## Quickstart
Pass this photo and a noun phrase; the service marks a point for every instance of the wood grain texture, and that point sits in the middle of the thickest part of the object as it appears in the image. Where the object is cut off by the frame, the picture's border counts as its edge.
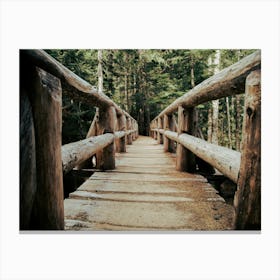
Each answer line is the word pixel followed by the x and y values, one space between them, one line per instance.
pixel 48 211
pixel 247 200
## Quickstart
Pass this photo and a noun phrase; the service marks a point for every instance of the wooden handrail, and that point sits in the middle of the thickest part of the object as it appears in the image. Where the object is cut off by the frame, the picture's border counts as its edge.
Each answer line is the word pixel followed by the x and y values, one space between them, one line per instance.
pixel 225 160
pixel 242 168
pixel 43 80
pixel 229 81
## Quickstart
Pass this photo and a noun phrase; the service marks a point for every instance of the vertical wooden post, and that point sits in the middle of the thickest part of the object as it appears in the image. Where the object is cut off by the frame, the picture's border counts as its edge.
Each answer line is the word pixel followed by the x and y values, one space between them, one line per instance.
pixel 171 143
pixel 160 137
pixel 106 158
pixel 122 127
pixel 128 127
pixel 247 200
pixel 46 98
pixel 155 127
pixel 185 160
pixel 133 134
pixel 165 127
pixel 28 184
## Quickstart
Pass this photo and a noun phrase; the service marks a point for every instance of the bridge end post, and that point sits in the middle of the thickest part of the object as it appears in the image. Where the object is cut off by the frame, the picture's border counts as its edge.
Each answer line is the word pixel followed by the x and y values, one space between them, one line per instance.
pixel 247 199
pixel 45 95
pixel 185 159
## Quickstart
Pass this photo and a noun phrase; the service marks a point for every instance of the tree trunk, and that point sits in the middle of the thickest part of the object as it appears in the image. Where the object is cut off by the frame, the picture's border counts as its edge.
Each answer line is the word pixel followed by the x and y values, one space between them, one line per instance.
pixel 228 124
pixel 238 119
pixel 215 103
pixel 247 200
pixel 100 72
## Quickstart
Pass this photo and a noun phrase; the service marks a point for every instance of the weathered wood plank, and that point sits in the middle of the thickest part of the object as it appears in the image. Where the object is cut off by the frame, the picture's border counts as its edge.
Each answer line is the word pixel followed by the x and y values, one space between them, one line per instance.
pixel 247 200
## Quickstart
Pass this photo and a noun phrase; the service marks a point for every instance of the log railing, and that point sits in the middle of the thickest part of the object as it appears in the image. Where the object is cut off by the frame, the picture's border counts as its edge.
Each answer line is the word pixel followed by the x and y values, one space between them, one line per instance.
pixel 243 168
pixel 43 160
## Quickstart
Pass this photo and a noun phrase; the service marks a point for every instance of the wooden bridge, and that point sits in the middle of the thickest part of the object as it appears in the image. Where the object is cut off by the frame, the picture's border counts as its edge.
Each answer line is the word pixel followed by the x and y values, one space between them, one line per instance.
pixel 138 184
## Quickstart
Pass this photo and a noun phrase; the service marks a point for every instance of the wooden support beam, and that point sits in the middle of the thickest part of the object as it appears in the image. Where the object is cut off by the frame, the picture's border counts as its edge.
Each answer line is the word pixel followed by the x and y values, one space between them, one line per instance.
pixel 165 127
pixel 106 158
pixel 159 136
pixel 247 200
pixel 185 159
pixel 171 143
pixel 122 140
pixel 46 97
pixel 128 127
pixel 77 152
pixel 28 182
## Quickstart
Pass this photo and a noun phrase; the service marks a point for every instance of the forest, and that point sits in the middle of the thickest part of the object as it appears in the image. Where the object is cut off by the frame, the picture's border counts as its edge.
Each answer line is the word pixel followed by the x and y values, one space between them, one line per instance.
pixel 143 82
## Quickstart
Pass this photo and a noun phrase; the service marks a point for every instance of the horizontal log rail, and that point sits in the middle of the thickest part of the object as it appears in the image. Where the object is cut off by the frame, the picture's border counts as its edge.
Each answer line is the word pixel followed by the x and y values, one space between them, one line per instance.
pixel 230 81
pixel 242 168
pixel 225 160
pixel 43 80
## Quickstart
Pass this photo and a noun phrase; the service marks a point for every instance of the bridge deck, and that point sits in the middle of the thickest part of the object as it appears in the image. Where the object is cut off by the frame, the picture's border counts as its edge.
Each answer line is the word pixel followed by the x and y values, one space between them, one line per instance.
pixel 145 192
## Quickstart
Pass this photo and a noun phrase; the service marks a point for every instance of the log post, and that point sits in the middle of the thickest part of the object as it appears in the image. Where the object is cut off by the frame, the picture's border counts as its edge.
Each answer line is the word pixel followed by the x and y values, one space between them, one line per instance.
pixel 155 127
pixel 128 127
pixel 122 127
pixel 171 143
pixel 133 133
pixel 28 184
pixel 46 97
pixel 165 127
pixel 91 132
pixel 185 160
pixel 160 136
pixel 106 124
pixel 247 200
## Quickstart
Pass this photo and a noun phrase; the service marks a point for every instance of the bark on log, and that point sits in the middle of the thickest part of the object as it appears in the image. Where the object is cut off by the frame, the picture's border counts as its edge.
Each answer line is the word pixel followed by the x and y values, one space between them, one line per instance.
pixel 77 152
pixel 247 200
pixel 106 124
pixel 172 127
pixel 28 183
pixel 48 207
pixel 185 159
pixel 229 81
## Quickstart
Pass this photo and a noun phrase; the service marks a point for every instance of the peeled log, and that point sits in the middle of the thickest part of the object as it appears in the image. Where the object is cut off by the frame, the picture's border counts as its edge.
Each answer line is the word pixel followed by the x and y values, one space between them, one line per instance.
pixel 46 98
pixel 247 200
pixel 75 153
pixel 225 160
